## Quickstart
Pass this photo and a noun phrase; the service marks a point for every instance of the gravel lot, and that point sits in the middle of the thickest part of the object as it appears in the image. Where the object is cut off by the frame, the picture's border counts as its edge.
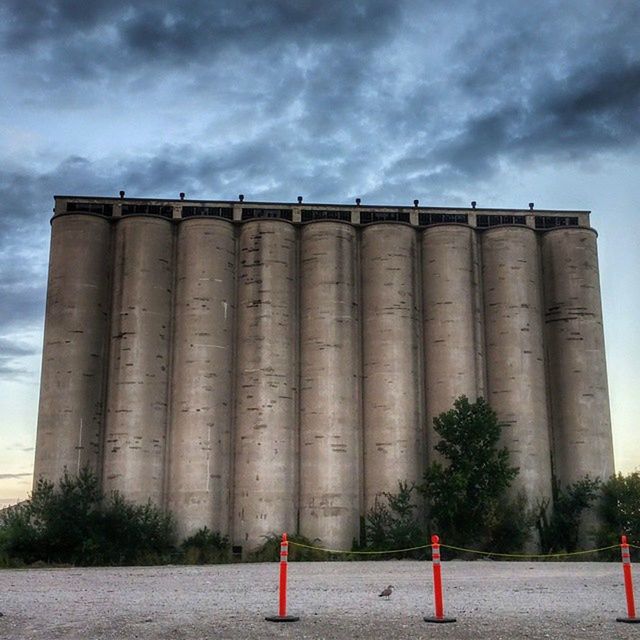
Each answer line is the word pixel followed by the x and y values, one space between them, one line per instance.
pixel 497 600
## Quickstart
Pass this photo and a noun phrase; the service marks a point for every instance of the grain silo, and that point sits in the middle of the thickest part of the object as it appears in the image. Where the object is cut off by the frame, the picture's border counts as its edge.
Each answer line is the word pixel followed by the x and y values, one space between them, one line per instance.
pixel 259 367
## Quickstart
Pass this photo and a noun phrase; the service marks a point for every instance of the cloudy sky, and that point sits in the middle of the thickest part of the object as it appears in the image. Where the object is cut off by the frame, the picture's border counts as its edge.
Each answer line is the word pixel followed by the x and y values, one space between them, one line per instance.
pixel 502 102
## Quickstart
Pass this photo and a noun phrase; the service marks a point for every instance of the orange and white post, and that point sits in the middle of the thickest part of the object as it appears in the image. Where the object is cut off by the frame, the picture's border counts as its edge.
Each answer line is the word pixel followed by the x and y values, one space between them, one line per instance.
pixel 437 584
pixel 628 582
pixel 282 588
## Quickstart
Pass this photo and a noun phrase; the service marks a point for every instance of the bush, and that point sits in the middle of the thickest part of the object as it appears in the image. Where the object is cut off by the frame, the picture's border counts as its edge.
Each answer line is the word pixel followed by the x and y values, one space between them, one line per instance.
pixel 619 512
pixel 205 547
pixel 392 523
pixel 74 524
pixel 512 525
pixel 558 528
pixel 269 551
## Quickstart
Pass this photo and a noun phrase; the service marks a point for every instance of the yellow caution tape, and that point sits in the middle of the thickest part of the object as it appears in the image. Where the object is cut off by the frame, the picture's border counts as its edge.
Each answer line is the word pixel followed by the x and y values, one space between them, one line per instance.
pixel 529 555
pixel 448 546
pixel 308 546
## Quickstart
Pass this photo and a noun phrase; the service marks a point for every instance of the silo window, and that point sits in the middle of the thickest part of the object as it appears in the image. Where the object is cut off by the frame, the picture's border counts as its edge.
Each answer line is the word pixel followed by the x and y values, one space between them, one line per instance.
pixel 550 222
pixel 384 216
pixel 426 219
pixel 166 211
pixel 281 214
pixel 492 221
pixel 216 212
pixel 90 207
pixel 325 214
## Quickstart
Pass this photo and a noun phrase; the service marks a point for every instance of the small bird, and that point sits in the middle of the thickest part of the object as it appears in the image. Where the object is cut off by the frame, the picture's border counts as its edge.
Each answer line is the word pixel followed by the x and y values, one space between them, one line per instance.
pixel 386 592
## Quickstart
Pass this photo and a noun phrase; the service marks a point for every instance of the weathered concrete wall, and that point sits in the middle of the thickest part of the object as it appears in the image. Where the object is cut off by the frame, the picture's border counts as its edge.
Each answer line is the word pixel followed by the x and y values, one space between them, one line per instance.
pixel 136 420
pixel 330 421
pixel 392 409
pixel 515 353
pixel 70 417
pixel 266 436
pixel 575 349
pixel 452 318
pixel 200 444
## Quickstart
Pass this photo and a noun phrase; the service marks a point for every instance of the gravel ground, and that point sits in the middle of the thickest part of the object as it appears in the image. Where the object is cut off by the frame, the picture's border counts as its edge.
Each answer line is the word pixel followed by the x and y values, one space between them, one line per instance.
pixel 497 600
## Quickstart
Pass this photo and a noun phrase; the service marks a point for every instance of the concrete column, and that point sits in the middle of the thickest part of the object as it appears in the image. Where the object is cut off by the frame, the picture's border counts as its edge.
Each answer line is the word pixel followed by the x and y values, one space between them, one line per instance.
pixel 202 385
pixel 266 439
pixel 452 316
pixel 393 439
pixel 515 353
pixel 331 435
pixel 139 362
pixel 71 413
pixel 575 348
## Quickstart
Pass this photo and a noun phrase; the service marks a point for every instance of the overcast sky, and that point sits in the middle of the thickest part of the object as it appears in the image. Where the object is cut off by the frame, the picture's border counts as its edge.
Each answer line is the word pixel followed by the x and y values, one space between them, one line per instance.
pixel 389 100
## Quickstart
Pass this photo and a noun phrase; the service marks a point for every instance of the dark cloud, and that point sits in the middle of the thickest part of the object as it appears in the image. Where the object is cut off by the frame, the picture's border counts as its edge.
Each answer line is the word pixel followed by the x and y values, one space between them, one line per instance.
pixel 12 353
pixel 26 201
pixel 11 349
pixel 14 476
pixel 385 100
pixel 87 37
pixel 590 111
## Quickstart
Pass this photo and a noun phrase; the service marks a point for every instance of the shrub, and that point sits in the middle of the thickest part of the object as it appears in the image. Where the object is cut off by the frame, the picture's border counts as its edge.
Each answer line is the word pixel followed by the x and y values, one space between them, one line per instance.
pixel 74 524
pixel 269 551
pixel 392 523
pixel 205 547
pixel 619 512
pixel 558 527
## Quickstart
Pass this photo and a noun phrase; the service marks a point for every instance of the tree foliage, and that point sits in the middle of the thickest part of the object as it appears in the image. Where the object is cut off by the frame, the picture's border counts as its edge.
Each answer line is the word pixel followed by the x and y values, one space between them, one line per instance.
pixel 392 522
pixel 467 492
pixel 73 523
pixel 619 511
pixel 205 547
pixel 270 550
pixel 558 524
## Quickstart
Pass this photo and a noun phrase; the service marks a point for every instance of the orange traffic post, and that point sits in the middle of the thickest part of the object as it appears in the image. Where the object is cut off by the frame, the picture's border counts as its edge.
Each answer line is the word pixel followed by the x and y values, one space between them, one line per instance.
pixel 628 582
pixel 437 583
pixel 282 606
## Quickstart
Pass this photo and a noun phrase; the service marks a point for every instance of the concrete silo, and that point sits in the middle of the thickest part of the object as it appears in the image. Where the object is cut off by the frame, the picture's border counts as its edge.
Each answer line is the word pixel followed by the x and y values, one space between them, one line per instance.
pixel 517 388
pixel 575 350
pixel 200 443
pixel 291 355
pixel 392 406
pixel 139 365
pixel 266 438
pixel 452 320
pixel 330 431
pixel 76 340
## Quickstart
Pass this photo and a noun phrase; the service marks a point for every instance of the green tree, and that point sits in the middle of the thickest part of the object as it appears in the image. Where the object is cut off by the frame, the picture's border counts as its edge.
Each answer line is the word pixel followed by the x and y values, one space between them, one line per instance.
pixel 558 524
pixel 467 493
pixel 392 522
pixel 619 511
pixel 73 523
